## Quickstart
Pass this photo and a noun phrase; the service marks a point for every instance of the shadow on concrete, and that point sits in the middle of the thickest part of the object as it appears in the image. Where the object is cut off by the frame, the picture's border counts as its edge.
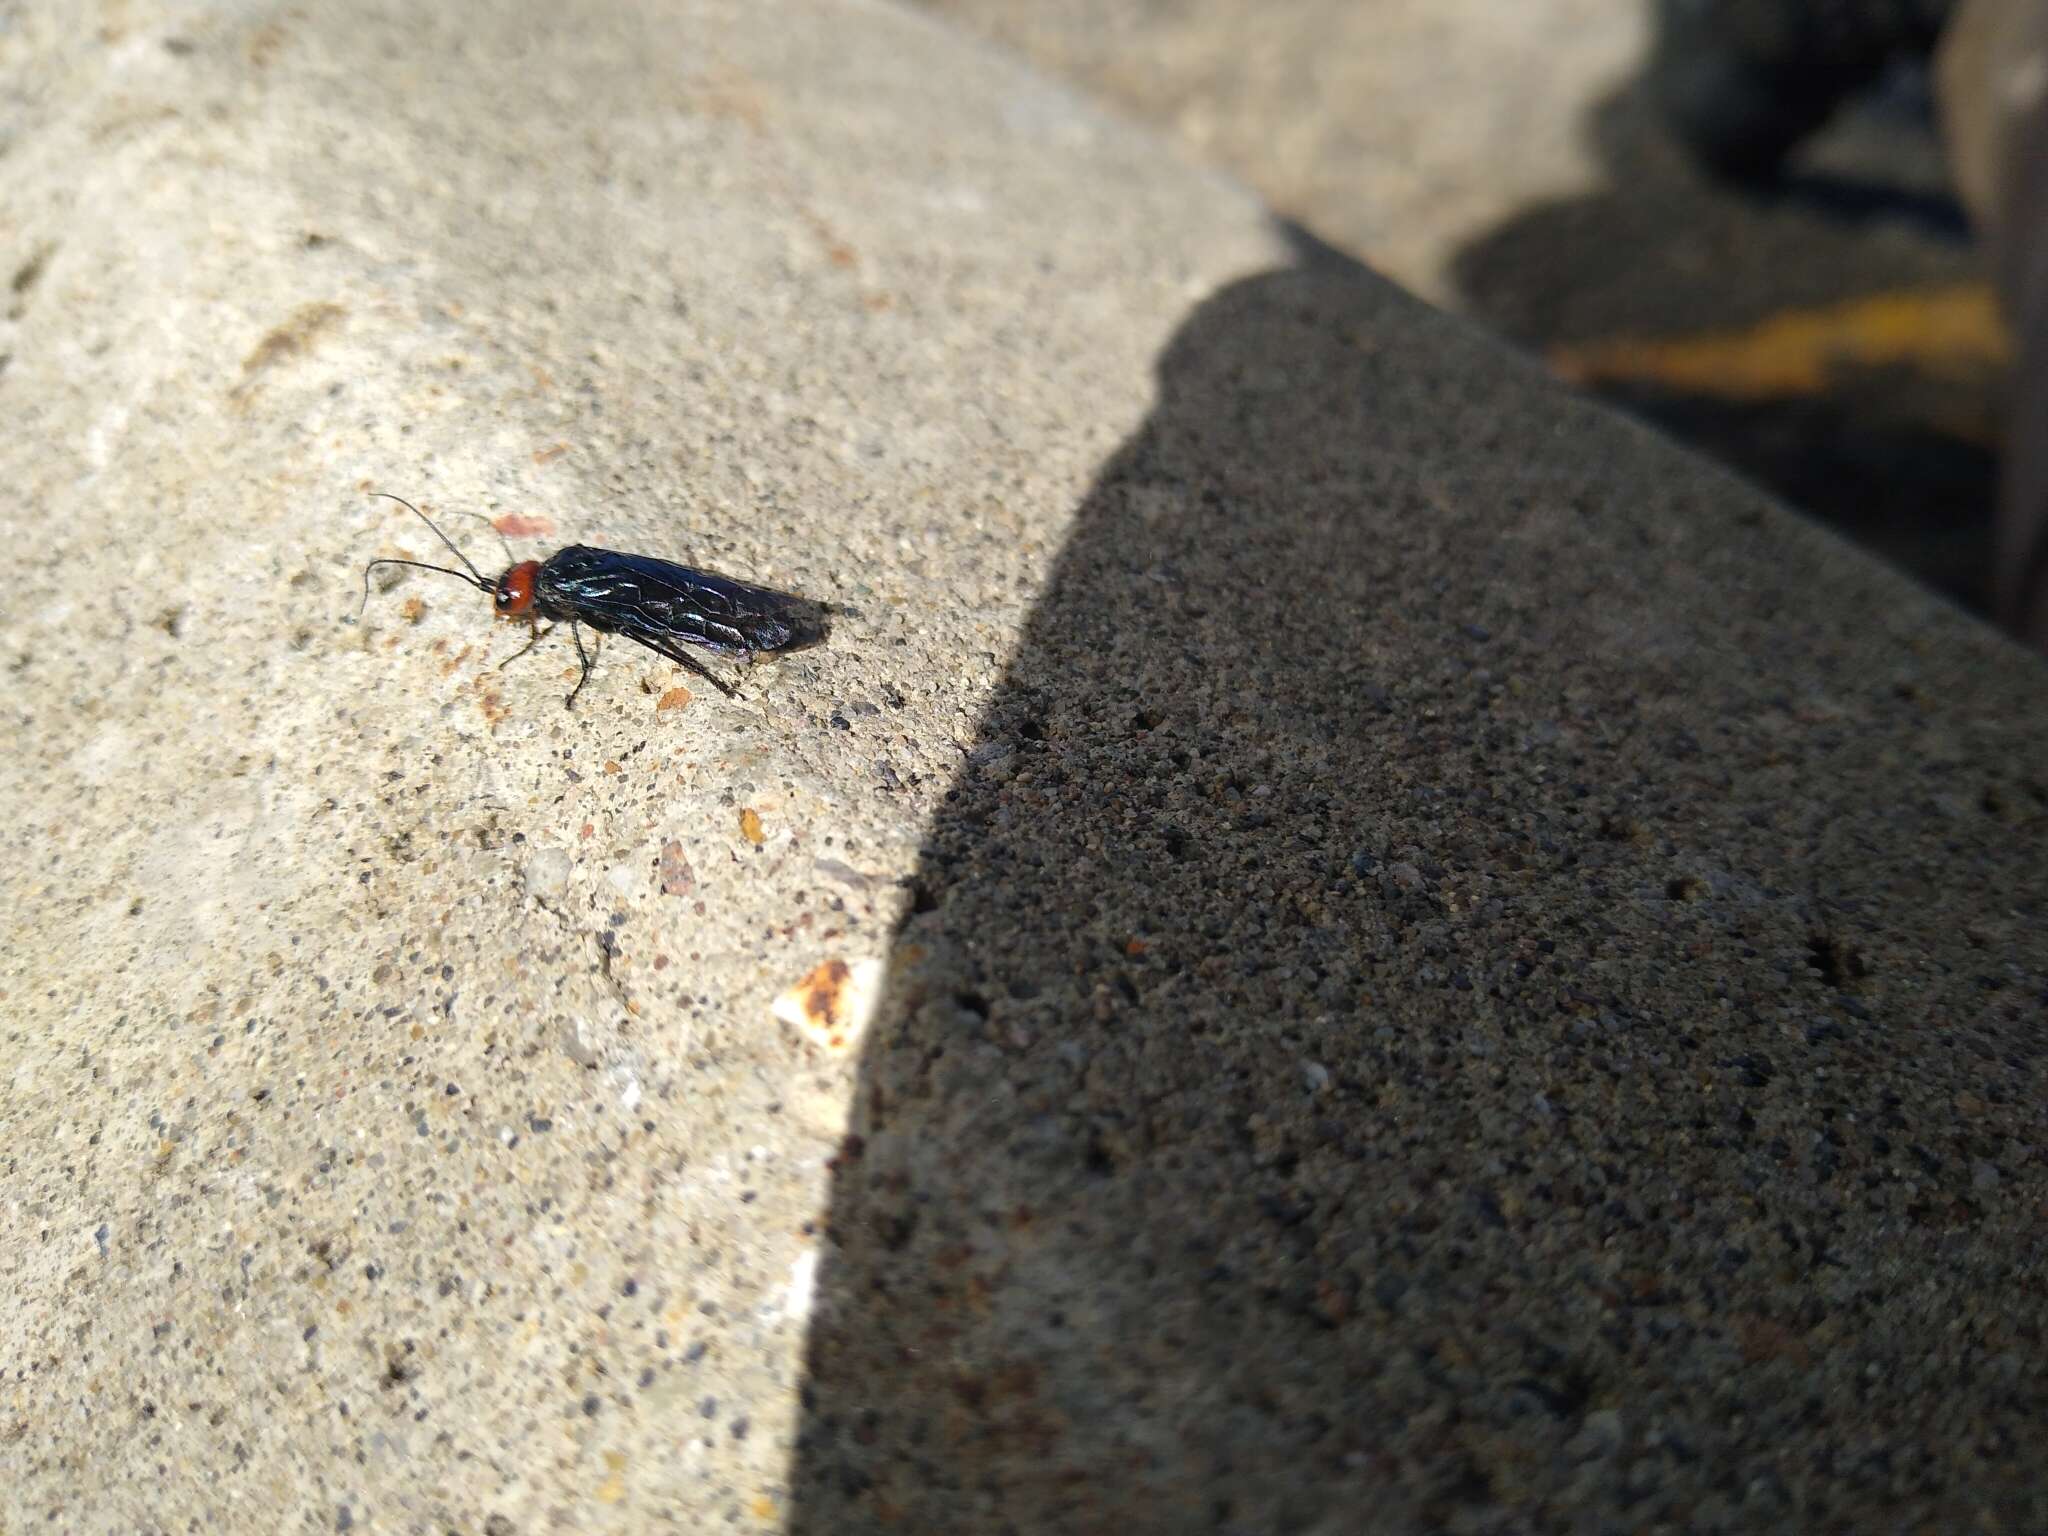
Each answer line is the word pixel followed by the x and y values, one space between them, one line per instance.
pixel 1901 460
pixel 1382 1038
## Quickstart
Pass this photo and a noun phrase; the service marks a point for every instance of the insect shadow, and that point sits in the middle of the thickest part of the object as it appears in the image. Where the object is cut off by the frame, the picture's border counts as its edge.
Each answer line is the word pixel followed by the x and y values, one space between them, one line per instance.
pixel 652 602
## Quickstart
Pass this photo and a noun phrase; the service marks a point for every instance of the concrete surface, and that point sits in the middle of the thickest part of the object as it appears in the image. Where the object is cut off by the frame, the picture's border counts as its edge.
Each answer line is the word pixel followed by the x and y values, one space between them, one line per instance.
pixel 1458 965
pixel 1480 979
pixel 1399 130
pixel 396 1127
pixel 1504 161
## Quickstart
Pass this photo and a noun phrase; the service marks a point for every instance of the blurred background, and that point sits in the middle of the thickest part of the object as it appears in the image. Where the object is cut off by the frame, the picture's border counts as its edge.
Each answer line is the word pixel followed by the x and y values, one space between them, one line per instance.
pixel 1737 219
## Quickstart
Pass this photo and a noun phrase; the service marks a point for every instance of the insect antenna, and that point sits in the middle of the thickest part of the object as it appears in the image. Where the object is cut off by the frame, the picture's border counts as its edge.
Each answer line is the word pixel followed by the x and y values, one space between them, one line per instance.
pixel 416 512
pixel 473 574
pixel 496 532
pixel 419 565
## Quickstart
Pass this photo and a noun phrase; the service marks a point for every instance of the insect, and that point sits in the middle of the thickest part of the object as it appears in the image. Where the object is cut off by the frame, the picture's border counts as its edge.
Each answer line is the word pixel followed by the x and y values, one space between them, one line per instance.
pixel 655 603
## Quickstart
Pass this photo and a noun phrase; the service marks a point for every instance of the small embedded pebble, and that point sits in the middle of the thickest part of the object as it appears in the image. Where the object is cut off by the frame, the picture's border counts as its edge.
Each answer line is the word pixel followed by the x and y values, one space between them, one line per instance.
pixel 578 1045
pixel 833 1003
pixel 845 874
pixel 1406 877
pixel 630 1093
pixel 547 872
pixel 1599 1436
pixel 677 878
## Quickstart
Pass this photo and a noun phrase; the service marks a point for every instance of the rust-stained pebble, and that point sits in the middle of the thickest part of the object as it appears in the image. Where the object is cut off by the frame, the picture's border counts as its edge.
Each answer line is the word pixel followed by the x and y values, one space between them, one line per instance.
pixel 677 878
pixel 750 826
pixel 833 1004
pixel 412 608
pixel 675 698
pixel 519 525
pixel 548 455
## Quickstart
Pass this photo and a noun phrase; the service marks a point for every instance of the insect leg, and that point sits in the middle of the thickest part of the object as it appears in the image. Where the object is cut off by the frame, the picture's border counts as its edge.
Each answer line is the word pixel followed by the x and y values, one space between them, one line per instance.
pixel 535 635
pixel 576 634
pixel 681 657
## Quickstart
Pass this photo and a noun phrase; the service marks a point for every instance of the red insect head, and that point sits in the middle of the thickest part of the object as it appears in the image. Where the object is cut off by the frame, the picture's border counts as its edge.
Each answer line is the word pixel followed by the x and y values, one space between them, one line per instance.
pixel 514 597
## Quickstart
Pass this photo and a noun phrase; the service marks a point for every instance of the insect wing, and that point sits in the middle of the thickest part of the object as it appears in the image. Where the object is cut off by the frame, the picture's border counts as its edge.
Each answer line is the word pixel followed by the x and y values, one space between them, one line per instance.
pixel 638 593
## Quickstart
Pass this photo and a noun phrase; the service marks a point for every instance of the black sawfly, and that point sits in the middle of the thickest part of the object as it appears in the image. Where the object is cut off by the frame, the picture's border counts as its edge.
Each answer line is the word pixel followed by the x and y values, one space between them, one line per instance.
pixel 655 603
